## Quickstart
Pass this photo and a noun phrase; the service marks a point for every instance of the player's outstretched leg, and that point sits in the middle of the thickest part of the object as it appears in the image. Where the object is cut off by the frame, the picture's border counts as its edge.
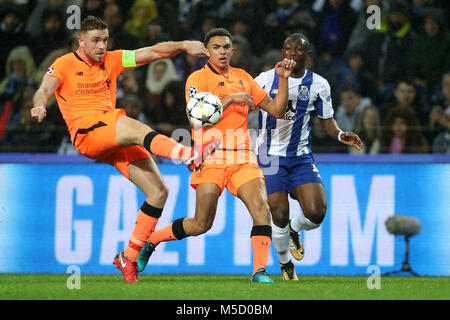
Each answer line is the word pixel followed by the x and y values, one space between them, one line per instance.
pixel 199 154
pixel 128 268
pixel 288 271
pixel 173 231
pixel 295 244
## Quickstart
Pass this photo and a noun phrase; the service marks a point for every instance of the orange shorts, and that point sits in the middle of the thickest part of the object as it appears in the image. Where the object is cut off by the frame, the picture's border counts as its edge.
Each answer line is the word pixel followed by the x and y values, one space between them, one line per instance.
pixel 232 176
pixel 95 137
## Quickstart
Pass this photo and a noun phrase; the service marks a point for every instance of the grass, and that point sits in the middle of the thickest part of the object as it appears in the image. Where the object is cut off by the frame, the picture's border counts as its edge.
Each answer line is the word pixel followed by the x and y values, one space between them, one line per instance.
pixel 220 287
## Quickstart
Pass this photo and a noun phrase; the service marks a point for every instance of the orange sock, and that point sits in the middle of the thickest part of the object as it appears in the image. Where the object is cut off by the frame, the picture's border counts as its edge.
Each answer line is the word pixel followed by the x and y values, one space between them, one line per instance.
pixel 163 234
pixel 260 239
pixel 173 231
pixel 146 221
pixel 166 147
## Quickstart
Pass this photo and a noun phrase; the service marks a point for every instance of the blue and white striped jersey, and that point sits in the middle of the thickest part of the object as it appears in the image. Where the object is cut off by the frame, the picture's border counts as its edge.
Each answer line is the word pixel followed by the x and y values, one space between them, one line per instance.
pixel 309 95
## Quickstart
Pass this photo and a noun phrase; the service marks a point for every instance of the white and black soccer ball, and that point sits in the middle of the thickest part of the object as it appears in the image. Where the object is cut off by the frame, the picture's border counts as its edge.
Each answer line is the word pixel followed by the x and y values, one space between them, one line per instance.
pixel 204 110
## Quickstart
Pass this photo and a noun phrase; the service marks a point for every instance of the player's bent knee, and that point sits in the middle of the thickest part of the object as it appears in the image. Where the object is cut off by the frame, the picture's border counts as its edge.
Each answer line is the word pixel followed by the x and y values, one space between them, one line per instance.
pixel 200 228
pixel 280 216
pixel 317 214
pixel 161 194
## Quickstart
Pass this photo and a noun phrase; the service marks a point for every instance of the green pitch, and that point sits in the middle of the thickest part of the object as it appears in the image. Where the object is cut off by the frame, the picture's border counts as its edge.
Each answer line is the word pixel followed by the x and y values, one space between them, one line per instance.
pixel 219 287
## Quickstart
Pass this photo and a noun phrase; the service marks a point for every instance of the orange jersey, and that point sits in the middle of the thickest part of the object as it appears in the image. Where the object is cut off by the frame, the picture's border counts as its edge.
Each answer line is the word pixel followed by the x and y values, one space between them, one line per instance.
pixel 233 126
pixel 85 89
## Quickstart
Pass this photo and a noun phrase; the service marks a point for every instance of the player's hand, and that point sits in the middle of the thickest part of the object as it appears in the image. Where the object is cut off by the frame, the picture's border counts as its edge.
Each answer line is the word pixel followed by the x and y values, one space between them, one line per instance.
pixel 241 97
pixel 351 139
pixel 195 48
pixel 284 68
pixel 39 113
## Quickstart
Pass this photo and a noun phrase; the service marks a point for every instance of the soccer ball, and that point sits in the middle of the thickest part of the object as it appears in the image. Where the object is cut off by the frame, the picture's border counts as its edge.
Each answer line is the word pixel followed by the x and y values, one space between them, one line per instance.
pixel 204 110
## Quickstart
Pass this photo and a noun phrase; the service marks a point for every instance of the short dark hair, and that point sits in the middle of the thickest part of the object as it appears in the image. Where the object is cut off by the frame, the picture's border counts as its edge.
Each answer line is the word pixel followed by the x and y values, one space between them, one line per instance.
pixel 92 23
pixel 221 32
pixel 299 36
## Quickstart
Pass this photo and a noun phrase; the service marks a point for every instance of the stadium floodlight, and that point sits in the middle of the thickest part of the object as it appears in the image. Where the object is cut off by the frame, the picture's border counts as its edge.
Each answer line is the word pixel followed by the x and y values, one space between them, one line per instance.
pixel 399 225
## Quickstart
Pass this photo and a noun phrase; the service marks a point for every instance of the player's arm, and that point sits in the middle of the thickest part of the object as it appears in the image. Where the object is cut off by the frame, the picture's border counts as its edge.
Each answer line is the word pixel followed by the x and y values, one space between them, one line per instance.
pixel 40 98
pixel 349 138
pixel 277 107
pixel 168 49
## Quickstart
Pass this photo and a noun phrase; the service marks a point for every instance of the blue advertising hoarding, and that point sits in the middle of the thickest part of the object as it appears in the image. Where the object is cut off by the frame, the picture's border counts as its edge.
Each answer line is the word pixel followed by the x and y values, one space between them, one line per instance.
pixel 56 215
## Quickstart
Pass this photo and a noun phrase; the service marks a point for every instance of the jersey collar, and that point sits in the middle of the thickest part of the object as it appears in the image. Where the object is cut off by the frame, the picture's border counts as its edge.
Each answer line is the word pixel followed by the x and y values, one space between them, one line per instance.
pixel 217 72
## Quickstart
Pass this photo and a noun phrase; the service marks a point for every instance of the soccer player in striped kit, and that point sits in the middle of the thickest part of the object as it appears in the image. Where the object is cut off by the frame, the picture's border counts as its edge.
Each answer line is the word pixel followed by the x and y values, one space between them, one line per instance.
pixel 285 155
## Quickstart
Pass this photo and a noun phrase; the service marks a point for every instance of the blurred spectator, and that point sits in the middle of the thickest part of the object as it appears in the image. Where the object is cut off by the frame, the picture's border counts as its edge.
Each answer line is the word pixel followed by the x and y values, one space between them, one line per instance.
pixel 142 13
pixel 406 96
pixel 156 33
pixel 368 128
pixel 171 113
pixel 418 8
pixel 51 37
pixel 159 74
pixel 361 32
pixel 127 84
pixel 20 70
pixel 242 56
pixel 240 26
pixel 355 74
pixel 336 21
pixel 34 23
pixel 243 17
pixel 430 52
pixel 207 23
pixel 288 16
pixel 24 134
pixel 351 106
pixel 402 133
pixel 133 107
pixel 441 143
pixel 186 64
pixel 247 8
pixel 321 142
pixel 387 50
pixel 92 8
pixel 437 118
pixel 12 33
pixel 121 39
pixel 270 59
pixel 201 9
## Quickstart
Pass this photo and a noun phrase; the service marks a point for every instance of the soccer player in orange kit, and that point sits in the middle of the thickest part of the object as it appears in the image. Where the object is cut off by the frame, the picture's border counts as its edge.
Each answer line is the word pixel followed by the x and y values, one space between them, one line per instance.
pixel 232 165
pixel 84 83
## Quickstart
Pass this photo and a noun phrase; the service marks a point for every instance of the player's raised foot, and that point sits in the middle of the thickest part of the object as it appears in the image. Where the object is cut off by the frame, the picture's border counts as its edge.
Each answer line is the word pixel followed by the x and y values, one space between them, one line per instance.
pixel 295 244
pixel 128 268
pixel 144 255
pixel 199 154
pixel 288 271
pixel 261 276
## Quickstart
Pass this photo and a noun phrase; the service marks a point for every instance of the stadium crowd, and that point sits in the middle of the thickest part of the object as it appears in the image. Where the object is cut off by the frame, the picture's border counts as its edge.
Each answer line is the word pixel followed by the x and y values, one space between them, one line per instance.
pixel 390 85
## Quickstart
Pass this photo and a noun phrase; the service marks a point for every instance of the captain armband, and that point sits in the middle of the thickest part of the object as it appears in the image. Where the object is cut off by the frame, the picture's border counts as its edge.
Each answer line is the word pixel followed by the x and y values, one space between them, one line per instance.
pixel 129 58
